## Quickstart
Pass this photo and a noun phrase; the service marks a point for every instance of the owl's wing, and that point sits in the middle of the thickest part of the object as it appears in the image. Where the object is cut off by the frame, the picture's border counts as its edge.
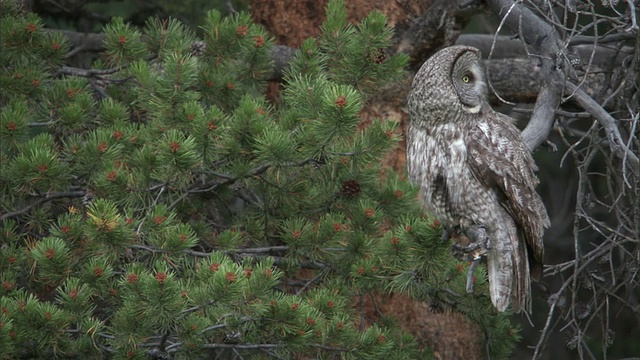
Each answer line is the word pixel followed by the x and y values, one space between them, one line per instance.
pixel 499 158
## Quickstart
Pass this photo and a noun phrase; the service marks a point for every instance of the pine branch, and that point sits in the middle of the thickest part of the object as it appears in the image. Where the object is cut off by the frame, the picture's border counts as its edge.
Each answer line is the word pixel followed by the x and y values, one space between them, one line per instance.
pixel 229 179
pixel 259 250
pixel 332 348
pixel 138 180
pixel 243 346
pixel 46 198
pixel 246 252
pixel 88 73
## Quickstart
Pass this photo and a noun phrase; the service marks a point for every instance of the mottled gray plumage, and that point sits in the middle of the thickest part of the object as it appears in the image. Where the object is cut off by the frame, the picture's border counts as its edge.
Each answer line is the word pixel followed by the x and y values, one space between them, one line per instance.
pixel 474 169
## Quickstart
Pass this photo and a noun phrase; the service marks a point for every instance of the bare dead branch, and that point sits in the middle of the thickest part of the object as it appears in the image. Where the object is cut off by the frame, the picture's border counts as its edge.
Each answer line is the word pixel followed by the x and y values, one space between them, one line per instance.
pixel 436 28
pixel 506 47
pixel 544 109
pixel 543 38
pixel 582 39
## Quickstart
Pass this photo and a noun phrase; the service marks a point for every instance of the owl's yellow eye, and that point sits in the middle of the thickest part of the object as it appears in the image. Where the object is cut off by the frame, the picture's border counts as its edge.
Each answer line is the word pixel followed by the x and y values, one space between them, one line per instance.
pixel 466 78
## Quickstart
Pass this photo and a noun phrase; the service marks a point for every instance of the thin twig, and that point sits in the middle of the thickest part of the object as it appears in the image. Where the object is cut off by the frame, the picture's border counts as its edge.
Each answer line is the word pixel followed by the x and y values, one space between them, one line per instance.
pixel 616 143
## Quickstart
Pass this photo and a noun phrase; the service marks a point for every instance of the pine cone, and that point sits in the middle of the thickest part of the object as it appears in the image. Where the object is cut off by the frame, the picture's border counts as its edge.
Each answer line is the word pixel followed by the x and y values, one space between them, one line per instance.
pixel 350 188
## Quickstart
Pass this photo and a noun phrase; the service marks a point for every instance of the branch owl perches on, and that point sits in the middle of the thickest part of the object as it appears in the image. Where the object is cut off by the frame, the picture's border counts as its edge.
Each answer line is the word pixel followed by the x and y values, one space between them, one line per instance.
pixel 475 172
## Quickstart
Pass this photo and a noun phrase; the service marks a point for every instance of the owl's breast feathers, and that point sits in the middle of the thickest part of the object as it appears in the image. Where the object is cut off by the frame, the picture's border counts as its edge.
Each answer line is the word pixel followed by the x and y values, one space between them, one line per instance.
pixel 437 160
pixel 463 169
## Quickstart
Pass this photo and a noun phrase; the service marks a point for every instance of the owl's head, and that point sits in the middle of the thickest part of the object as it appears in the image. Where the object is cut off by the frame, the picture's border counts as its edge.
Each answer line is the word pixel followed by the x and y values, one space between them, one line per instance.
pixel 448 83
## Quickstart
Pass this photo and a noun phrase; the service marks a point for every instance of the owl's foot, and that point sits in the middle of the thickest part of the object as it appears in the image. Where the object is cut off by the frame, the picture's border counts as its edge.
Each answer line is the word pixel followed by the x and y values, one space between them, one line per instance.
pixel 471 244
pixel 476 247
pixel 455 233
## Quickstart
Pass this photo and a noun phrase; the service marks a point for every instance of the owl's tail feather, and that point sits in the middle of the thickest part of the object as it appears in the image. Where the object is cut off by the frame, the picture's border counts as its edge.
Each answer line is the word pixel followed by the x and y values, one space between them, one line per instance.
pixel 508 269
pixel 499 273
pixel 521 296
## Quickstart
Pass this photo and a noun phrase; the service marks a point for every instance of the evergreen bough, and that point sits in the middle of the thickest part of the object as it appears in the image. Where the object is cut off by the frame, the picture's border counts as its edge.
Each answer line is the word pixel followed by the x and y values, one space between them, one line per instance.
pixel 159 205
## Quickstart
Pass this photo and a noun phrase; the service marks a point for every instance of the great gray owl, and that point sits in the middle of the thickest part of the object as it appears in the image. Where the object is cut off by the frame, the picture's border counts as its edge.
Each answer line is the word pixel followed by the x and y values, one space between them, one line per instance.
pixel 474 169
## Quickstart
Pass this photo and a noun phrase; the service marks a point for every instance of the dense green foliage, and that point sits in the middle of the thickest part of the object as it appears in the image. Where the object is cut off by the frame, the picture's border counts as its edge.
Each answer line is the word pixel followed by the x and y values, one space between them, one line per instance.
pixel 159 205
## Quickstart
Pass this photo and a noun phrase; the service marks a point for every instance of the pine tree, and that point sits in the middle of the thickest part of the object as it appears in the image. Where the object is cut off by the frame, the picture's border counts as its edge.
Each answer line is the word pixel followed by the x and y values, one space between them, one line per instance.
pixel 159 206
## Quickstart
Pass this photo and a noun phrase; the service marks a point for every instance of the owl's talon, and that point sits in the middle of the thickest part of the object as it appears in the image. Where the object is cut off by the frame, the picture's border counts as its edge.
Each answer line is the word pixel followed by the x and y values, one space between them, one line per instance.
pixel 471 252
pixel 476 249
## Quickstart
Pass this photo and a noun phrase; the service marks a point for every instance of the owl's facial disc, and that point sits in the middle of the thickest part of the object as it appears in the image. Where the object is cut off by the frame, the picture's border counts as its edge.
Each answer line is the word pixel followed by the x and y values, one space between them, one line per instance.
pixel 467 78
